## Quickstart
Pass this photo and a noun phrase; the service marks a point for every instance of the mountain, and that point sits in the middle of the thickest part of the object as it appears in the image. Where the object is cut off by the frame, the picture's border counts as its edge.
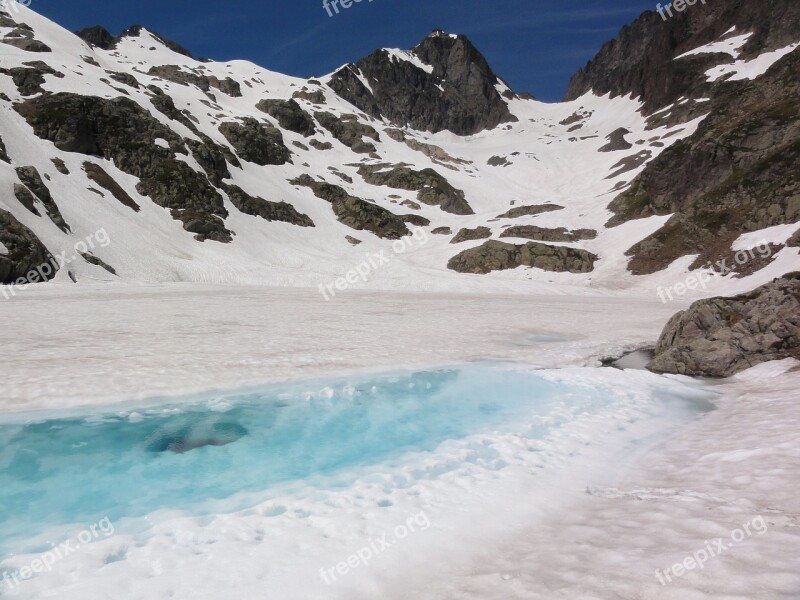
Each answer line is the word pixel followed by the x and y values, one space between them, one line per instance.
pixel 123 158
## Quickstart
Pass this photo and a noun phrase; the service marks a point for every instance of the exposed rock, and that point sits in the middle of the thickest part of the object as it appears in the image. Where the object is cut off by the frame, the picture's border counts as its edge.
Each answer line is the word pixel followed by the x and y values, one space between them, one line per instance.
pixel 794 241
pixel 642 60
pixel 97 174
pixel 270 211
pixel 289 116
pixel 349 131
pixel 25 43
pixel 498 256
pixel 29 79
pixel 411 205
pixel 320 145
pixel 719 337
pixel 629 163
pixel 256 142
pixel 25 252
pixel 30 177
pixel 97 36
pixel 195 77
pixel 3 152
pixel 498 161
pixel 616 141
pixel 542 234
pixel 458 94
pixel 352 240
pixel 124 78
pixel 315 97
pixel 524 211
pixel 165 105
pixel 136 30
pixel 431 187
pixel 93 260
pixel 416 220
pixel 355 212
pixel 213 158
pixel 26 198
pixel 442 231
pixel 60 166
pixel 360 214
pixel 736 174
pixel 468 235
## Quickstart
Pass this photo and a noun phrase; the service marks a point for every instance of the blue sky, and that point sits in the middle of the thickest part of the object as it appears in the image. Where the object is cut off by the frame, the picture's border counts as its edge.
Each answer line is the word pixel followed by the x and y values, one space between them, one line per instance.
pixel 534 44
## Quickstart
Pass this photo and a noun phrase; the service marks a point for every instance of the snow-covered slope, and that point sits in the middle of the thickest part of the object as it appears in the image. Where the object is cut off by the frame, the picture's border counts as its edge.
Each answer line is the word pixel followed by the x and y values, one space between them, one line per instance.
pixel 577 155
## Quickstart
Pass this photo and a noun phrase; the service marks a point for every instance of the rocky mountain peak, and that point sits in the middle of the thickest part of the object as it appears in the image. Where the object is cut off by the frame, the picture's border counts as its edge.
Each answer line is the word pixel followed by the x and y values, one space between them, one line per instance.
pixel 99 37
pixel 444 83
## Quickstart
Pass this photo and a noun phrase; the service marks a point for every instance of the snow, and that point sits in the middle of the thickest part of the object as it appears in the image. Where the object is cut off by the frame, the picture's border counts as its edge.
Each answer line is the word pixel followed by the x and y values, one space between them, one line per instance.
pixel 403 55
pixel 3 249
pixel 730 46
pixel 658 483
pixel 750 69
pixel 778 234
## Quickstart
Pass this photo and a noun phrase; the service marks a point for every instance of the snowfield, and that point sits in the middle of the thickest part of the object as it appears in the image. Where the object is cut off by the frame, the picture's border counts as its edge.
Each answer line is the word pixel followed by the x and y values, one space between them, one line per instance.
pixel 602 511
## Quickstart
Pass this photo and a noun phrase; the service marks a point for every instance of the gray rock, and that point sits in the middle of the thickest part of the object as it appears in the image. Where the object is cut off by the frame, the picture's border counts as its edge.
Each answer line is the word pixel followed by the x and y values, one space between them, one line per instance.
pixel 616 141
pixel 31 179
pixel 25 251
pixel 270 211
pixel 468 235
pixel 431 187
pixel 256 142
pixel 289 115
pixel 349 131
pixel 529 210
pixel 459 94
pixel 543 234
pixel 498 256
pixel 719 337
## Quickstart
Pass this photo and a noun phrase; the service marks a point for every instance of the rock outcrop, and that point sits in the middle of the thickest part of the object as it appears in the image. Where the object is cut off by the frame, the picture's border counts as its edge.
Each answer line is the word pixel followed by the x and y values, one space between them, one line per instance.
pixel 256 142
pixel 442 84
pixel 25 252
pixel 719 337
pixel 499 256
pixel 289 115
pixel 737 173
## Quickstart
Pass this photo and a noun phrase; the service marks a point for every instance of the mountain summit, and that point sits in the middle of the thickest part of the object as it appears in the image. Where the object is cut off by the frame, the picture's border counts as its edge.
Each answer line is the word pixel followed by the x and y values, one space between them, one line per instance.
pixel 444 83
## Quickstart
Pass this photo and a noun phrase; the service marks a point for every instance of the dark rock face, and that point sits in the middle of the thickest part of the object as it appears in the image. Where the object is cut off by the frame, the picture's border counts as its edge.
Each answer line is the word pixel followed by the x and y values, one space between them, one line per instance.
pixel 289 115
pixel 93 260
pixel 458 94
pixel 125 78
pixel 97 36
pixel 737 173
pixel 177 75
pixel 348 130
pixel 25 252
pixel 3 152
pixel 60 166
pixel 31 179
pixel 23 39
pixel 719 337
pixel 542 234
pixel 270 211
pixel 29 79
pixel 640 61
pixel 499 256
pixel 468 235
pixel 256 142
pixel 431 187
pixel 122 131
pixel 354 212
pixel 97 174
pixel 213 158
pixel 529 210
pixel 616 141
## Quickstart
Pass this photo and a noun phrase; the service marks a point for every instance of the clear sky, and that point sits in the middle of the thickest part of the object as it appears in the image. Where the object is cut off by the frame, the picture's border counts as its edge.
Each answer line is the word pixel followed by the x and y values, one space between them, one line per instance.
pixel 534 44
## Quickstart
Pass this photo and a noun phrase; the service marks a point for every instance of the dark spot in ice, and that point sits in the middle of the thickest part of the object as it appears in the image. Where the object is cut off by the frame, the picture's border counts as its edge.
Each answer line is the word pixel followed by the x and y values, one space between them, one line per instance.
pixel 194 436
